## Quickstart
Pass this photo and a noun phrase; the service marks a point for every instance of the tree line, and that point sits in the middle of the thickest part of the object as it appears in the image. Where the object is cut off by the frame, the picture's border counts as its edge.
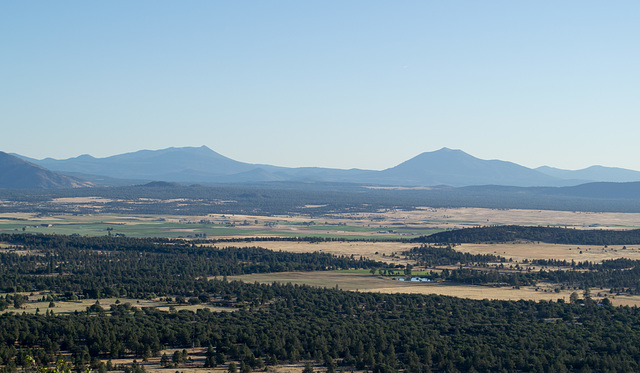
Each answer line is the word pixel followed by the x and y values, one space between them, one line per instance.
pixel 511 233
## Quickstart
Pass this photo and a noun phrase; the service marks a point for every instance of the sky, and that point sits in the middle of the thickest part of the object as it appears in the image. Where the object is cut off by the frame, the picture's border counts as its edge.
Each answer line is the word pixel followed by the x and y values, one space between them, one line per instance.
pixel 343 84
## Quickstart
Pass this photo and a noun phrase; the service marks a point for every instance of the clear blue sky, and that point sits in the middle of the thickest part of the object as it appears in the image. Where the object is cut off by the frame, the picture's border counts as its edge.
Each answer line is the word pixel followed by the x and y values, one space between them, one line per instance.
pixel 345 84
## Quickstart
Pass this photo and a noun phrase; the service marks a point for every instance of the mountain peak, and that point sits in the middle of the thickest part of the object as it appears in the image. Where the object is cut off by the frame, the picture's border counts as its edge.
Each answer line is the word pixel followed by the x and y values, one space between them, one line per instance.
pixel 454 167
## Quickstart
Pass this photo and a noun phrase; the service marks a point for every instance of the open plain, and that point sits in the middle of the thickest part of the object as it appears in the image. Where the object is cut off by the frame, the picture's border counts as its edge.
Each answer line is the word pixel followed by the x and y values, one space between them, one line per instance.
pixel 383 224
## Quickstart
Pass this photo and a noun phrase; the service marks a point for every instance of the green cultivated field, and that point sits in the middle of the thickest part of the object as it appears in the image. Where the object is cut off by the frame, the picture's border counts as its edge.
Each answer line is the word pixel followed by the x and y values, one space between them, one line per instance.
pixel 160 226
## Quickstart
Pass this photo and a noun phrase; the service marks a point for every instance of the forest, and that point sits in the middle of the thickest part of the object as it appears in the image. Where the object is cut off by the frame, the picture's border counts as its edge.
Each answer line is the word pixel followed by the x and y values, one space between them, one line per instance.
pixel 276 323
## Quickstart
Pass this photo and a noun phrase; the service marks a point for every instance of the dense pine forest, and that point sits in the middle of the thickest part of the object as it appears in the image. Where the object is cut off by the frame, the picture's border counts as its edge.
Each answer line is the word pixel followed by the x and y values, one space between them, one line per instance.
pixel 380 333
pixel 288 323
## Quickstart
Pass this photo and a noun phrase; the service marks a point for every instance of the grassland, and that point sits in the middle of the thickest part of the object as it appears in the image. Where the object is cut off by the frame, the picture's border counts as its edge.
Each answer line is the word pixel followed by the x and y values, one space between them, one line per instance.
pixel 521 251
pixel 350 281
pixel 196 362
pixel 35 304
pixel 200 226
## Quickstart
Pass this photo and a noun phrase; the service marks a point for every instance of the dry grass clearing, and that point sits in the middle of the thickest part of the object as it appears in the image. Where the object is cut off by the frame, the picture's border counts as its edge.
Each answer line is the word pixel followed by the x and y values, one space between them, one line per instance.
pixel 469 216
pixel 81 200
pixel 196 359
pixel 521 251
pixel 376 284
pixel 69 307
pixel 16 215
pixel 447 218
pixel 17 249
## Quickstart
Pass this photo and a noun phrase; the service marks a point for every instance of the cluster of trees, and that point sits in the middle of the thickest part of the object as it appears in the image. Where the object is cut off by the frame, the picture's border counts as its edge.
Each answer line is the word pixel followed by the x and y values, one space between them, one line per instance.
pixel 436 255
pixel 510 233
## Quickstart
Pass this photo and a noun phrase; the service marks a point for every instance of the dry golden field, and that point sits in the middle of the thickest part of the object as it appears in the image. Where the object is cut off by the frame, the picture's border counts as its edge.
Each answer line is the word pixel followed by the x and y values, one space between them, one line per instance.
pixel 521 251
pixel 68 307
pixel 469 216
pixel 376 284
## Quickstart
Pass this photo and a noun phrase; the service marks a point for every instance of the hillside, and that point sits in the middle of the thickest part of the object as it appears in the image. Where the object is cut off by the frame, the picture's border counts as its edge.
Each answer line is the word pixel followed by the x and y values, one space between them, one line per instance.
pixel 457 168
pixel 173 164
pixel 593 173
pixel 16 173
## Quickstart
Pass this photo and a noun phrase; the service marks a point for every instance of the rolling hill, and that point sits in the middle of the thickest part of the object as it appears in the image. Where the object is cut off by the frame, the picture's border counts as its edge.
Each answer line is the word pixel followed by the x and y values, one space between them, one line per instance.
pixel 457 168
pixel 16 173
pixel 593 173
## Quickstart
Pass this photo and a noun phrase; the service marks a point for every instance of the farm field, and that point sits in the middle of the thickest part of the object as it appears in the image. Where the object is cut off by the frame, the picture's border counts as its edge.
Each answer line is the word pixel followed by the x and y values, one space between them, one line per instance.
pixel 450 218
pixel 210 226
pixel 386 224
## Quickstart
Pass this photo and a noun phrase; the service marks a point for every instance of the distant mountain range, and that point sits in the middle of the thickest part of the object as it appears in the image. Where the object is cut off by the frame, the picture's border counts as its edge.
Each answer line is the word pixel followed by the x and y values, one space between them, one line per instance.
pixel 16 173
pixel 203 165
pixel 593 173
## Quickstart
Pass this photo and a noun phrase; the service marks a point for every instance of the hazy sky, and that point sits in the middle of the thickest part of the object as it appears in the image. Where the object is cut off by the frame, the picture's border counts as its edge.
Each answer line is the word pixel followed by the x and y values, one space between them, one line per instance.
pixel 345 84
